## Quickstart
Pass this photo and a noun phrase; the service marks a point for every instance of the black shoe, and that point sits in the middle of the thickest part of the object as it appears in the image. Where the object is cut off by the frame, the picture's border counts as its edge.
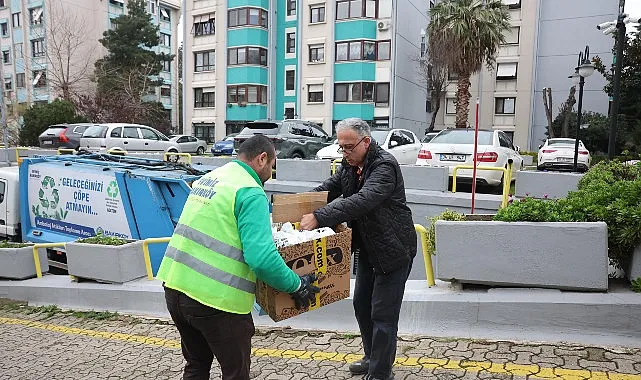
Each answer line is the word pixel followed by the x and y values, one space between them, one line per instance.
pixel 370 377
pixel 359 367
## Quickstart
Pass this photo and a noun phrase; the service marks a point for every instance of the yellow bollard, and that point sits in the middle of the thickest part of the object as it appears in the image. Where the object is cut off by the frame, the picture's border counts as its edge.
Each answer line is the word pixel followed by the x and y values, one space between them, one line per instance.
pixel 427 256
pixel 145 251
pixel 334 163
pixel 178 155
pixel 36 257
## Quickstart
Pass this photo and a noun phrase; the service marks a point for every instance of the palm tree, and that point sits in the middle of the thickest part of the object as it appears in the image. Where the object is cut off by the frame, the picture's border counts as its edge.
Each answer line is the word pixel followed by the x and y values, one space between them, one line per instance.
pixel 467 33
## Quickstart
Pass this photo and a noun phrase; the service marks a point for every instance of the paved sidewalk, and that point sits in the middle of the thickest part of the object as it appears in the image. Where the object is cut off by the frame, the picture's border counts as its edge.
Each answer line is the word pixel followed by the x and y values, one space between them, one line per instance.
pixel 45 343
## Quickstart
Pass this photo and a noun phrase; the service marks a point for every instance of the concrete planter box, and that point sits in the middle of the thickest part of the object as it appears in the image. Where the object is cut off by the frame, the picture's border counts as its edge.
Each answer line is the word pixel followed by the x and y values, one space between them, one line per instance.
pixel 431 178
pixel 550 185
pixel 571 256
pixel 106 263
pixel 303 170
pixel 634 271
pixel 527 160
pixel 17 263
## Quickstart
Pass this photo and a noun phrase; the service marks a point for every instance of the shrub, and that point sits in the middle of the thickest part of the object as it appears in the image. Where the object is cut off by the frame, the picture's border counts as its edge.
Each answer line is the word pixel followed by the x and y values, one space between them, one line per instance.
pixel 431 233
pixel 103 240
pixel 609 192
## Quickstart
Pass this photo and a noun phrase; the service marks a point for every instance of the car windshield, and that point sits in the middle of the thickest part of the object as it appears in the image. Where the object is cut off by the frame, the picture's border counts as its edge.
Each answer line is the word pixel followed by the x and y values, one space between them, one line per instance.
pixel 260 128
pixel 428 137
pixel 380 136
pixel 561 142
pixel 229 138
pixel 462 136
pixel 96 131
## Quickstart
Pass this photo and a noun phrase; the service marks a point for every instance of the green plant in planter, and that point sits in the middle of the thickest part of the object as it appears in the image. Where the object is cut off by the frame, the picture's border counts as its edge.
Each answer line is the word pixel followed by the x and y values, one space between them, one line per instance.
pixel 103 240
pixel 431 230
pixel 609 192
pixel 636 285
pixel 10 244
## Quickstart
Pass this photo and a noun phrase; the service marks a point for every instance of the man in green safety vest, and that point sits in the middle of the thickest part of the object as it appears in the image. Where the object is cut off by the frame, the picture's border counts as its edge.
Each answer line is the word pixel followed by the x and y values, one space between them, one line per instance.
pixel 222 243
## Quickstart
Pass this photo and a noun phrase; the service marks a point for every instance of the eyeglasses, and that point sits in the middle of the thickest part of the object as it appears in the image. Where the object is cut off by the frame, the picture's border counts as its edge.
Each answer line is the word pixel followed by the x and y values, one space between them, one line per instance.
pixel 348 150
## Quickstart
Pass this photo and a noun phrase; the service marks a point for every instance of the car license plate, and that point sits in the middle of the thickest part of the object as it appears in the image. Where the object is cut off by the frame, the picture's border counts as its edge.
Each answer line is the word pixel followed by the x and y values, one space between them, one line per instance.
pixel 453 157
pixel 217 150
pixel 47 142
pixel 564 159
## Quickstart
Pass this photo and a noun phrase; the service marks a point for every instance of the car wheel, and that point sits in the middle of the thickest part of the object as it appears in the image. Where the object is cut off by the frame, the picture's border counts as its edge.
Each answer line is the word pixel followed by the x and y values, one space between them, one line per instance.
pixel 298 155
pixel 200 151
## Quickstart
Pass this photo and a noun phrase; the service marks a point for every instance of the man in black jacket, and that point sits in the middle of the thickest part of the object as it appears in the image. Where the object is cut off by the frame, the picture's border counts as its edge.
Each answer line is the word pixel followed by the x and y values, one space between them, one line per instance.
pixel 373 204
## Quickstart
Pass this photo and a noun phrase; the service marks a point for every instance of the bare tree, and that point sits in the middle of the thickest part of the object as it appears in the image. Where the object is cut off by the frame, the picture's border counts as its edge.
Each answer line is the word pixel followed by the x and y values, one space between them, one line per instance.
pixel 434 74
pixel 70 54
pixel 566 111
pixel 547 103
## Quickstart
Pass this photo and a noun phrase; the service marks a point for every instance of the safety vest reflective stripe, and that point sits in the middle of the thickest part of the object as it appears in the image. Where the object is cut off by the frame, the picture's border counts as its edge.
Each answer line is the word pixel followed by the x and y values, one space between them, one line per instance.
pixel 210 242
pixel 210 271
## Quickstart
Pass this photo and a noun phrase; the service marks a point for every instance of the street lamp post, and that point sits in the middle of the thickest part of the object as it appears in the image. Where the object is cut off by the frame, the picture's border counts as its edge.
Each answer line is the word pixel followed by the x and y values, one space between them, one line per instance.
pixel 583 70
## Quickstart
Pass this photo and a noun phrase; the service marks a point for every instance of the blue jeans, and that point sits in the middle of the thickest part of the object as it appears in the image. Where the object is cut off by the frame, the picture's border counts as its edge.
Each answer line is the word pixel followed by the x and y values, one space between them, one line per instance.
pixel 377 305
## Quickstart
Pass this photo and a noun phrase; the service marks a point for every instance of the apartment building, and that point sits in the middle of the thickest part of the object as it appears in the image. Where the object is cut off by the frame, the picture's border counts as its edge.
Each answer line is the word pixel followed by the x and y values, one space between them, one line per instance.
pixel 35 34
pixel 541 50
pixel 318 60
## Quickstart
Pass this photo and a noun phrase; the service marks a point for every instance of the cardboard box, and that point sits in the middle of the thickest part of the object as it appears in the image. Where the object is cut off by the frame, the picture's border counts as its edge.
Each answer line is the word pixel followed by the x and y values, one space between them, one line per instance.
pixel 329 257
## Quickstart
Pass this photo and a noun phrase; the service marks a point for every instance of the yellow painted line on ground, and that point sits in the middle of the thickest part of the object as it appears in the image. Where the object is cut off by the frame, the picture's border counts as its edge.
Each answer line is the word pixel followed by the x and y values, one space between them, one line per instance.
pixel 533 371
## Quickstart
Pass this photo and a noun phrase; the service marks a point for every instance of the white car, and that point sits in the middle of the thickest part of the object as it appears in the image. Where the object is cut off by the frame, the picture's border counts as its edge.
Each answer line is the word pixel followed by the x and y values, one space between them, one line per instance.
pixel 124 136
pixel 559 154
pixel 189 144
pixel 452 147
pixel 401 143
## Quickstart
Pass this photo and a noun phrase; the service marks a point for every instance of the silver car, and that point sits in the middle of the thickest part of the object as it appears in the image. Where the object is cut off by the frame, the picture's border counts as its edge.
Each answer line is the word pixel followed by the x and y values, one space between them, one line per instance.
pixel 124 136
pixel 189 144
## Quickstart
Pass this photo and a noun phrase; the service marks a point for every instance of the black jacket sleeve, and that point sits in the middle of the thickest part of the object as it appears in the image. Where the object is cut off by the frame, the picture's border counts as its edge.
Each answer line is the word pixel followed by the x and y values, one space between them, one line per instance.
pixel 332 185
pixel 378 188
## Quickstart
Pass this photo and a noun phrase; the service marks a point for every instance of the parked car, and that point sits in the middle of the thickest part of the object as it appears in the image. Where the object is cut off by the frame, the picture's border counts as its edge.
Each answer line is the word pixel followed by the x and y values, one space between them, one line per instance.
pixel 62 136
pixel 189 144
pixel 292 138
pixel 559 154
pixel 224 146
pixel 452 147
pixel 129 137
pixel 401 143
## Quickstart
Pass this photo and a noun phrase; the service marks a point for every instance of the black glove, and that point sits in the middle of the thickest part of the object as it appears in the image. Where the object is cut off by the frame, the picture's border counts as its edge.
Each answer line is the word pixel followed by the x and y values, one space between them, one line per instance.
pixel 306 292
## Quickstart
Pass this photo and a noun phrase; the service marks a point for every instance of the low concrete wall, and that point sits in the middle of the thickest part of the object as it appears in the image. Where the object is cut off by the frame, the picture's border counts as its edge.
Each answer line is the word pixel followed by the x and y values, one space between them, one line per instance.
pixel 548 255
pixel 527 160
pixel 635 266
pixel 550 185
pixel 303 170
pixel 425 177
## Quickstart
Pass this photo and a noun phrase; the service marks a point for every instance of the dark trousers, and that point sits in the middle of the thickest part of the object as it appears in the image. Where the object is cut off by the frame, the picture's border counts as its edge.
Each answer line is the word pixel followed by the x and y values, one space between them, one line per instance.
pixel 377 305
pixel 206 332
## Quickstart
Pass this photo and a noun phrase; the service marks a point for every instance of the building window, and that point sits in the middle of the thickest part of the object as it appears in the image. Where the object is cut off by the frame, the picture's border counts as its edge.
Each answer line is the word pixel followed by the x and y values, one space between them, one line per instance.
pixel 362 50
pixel 247 55
pixel 152 7
pixel 204 97
pixel 165 39
pixel 165 91
pixel 289 113
pixel 39 78
pixel 315 93
pixel 317 53
pixel 38 47
pixel 291 42
pixel 512 4
pixel 206 26
pixel 205 61
pixel 504 106
pixel 166 66
pixel 362 92
pixel 356 8
pixel 4 29
pixel 506 71
pixel 118 3
pixel 35 16
pixel 512 36
pixel 291 7
pixel 381 95
pixel 247 94
pixel 247 16
pixel 20 79
pixel 2 4
pixel 165 14
pixel 290 80
pixel 15 20
pixel 8 85
pixel 6 56
pixel 17 50
pixel 450 106
pixel 317 14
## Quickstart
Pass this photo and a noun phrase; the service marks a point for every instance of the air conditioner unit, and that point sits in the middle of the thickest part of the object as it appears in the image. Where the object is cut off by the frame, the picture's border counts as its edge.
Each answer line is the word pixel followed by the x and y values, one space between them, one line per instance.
pixel 383 25
pixel 242 104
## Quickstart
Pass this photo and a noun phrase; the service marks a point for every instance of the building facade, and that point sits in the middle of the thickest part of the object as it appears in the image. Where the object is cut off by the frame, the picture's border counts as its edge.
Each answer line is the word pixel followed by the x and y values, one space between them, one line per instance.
pixel 540 51
pixel 318 60
pixel 44 42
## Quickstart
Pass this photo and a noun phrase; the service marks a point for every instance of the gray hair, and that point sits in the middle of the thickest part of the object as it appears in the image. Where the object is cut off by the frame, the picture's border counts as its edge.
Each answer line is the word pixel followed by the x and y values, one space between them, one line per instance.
pixel 355 124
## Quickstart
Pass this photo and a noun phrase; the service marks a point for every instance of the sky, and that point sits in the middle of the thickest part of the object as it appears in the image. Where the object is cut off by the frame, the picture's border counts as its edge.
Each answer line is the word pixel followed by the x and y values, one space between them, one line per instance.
pixel 633 8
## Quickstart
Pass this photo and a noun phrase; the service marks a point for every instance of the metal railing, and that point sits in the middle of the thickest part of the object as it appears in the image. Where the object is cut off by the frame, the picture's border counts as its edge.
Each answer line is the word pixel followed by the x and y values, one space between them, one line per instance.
pixel 117 152
pixel 18 156
pixel 334 163
pixel 62 151
pixel 427 255
pixel 507 178
pixel 178 155
pixel 145 251
pixel 36 257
